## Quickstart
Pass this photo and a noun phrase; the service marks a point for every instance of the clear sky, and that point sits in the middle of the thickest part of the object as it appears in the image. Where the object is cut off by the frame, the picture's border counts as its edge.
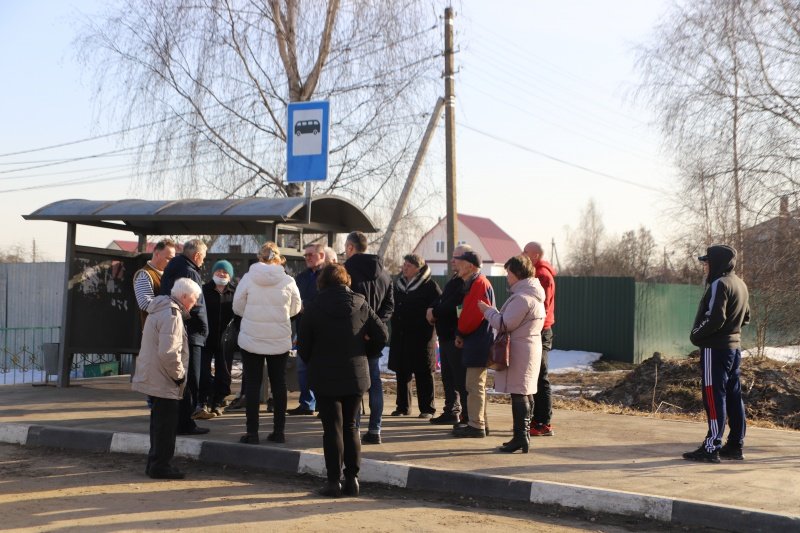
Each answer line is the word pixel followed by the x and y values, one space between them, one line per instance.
pixel 543 88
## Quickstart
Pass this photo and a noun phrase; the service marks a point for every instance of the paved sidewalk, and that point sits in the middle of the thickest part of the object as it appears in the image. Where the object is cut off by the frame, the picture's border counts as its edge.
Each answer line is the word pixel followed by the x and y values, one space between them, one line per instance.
pixel 611 463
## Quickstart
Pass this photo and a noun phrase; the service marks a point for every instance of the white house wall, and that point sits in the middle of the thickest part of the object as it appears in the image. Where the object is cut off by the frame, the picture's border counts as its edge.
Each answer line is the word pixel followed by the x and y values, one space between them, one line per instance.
pixel 438 260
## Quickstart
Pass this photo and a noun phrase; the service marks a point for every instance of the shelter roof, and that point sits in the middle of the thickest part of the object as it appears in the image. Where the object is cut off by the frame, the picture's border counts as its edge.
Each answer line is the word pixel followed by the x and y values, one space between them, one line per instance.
pixel 209 217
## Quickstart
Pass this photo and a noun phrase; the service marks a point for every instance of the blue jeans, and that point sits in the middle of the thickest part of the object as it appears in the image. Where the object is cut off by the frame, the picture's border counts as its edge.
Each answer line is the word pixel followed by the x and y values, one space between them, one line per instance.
pixel 307 399
pixel 375 397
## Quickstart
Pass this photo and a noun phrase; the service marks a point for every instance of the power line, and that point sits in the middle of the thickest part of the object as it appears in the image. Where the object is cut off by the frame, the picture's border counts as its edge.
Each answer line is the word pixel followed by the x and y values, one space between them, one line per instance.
pixel 562 161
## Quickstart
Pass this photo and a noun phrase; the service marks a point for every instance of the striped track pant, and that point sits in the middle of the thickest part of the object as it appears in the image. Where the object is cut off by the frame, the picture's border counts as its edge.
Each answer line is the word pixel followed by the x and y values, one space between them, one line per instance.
pixel 722 396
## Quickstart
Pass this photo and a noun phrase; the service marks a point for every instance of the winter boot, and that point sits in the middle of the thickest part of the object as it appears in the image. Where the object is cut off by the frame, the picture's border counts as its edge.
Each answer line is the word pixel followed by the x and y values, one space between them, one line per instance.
pixel 520 411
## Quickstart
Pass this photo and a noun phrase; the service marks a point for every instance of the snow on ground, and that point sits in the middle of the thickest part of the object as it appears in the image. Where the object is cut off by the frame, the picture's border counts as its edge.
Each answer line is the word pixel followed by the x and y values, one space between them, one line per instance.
pixel 562 361
pixel 788 354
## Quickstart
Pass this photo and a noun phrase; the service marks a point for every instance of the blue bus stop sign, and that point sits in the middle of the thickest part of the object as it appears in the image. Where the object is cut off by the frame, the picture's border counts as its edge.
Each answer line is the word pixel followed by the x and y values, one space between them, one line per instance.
pixel 307 141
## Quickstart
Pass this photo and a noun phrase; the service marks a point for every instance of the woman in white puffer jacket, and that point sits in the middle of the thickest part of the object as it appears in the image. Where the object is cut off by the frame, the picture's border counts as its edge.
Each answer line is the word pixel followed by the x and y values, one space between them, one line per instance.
pixel 266 299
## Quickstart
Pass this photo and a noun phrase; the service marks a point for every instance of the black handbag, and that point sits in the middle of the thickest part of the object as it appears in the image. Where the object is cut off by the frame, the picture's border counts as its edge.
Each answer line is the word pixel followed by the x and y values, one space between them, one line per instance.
pixel 230 337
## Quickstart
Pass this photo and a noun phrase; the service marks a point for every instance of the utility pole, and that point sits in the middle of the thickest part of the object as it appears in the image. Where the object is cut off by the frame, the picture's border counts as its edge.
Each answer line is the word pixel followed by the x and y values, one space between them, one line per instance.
pixel 450 136
pixel 402 202
pixel 33 253
pixel 554 255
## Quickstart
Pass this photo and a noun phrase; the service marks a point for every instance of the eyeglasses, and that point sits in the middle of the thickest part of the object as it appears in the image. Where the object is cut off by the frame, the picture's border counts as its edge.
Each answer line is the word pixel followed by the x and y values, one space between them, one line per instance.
pixel 309 255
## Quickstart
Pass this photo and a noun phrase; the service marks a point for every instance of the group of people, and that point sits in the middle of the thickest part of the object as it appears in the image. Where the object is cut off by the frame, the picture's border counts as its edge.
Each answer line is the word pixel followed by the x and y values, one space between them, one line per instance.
pixel 342 315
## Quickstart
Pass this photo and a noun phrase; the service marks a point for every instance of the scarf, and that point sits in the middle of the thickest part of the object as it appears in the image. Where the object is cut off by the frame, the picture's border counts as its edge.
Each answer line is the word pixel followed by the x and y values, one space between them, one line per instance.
pixel 406 286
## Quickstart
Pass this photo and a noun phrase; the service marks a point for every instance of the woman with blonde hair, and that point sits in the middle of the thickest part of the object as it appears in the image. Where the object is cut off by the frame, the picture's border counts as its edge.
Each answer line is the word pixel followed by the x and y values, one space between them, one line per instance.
pixel 522 316
pixel 266 299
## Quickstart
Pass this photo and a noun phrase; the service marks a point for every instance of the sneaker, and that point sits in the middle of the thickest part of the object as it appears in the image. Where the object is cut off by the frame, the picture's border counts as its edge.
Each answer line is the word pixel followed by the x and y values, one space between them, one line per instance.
pixel 541 430
pixel 371 438
pixel 202 413
pixel 218 410
pixel 469 432
pixel 444 419
pixel 426 416
pixel 299 411
pixel 731 452
pixel 400 412
pixel 701 455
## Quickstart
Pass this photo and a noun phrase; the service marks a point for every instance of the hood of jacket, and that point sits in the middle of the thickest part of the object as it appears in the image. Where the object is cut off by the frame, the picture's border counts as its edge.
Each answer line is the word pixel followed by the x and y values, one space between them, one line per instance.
pixel 266 275
pixel 529 287
pixel 159 303
pixel 364 266
pixel 541 263
pixel 721 260
pixel 338 301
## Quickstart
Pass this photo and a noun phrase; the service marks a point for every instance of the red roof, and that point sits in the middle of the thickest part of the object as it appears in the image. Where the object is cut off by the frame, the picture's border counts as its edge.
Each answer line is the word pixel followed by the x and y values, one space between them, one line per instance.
pixel 497 242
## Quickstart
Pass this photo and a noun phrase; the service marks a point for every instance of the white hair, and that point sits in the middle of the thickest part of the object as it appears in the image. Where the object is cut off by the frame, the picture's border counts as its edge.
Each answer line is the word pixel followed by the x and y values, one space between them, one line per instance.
pixel 185 287
pixel 330 255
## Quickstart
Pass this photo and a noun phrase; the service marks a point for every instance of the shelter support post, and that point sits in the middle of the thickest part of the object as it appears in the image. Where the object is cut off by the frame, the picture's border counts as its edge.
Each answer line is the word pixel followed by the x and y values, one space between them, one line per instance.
pixel 142 245
pixel 64 353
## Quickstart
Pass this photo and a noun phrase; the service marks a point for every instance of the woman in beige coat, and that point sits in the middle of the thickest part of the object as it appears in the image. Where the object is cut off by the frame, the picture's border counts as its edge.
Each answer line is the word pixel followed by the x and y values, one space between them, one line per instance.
pixel 522 316
pixel 161 372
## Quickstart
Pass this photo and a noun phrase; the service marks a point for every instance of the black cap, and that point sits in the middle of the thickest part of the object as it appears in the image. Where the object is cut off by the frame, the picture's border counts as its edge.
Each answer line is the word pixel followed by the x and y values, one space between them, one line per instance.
pixel 703 258
pixel 470 257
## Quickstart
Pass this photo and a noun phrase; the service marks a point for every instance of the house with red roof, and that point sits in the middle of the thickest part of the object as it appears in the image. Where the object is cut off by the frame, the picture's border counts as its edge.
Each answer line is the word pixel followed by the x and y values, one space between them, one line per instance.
pixel 487 238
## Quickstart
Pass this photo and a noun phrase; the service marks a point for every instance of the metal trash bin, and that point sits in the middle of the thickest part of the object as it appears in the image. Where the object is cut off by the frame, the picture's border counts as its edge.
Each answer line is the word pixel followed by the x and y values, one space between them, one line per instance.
pixel 50 356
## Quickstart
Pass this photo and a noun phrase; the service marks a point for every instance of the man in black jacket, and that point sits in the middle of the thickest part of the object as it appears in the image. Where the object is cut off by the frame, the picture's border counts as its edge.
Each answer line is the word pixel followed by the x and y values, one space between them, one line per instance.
pixel 371 280
pixel 187 265
pixel 306 280
pixel 723 310
pixel 443 315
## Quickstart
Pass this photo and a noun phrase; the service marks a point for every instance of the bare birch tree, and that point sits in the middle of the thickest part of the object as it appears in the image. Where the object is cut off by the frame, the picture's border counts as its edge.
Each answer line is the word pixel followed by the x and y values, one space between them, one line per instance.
pixel 204 86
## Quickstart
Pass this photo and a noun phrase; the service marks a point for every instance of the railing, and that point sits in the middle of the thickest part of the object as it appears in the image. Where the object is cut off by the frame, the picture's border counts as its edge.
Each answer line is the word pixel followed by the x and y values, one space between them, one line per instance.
pixel 22 357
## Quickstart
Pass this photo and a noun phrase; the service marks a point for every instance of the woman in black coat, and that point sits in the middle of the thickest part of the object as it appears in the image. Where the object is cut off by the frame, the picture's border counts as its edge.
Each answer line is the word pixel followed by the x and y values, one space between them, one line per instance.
pixel 412 349
pixel 336 329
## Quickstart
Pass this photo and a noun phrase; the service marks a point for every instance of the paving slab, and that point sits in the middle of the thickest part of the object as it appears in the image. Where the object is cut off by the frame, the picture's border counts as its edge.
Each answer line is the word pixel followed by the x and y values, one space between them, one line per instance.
pixel 628 461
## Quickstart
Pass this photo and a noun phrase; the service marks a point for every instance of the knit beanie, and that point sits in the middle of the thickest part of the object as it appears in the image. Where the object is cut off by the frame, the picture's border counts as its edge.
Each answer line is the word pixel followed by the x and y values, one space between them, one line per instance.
pixel 224 265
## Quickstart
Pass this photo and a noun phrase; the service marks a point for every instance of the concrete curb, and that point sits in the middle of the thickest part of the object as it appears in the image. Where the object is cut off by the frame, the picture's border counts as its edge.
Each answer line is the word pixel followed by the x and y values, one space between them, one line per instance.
pixel 274 459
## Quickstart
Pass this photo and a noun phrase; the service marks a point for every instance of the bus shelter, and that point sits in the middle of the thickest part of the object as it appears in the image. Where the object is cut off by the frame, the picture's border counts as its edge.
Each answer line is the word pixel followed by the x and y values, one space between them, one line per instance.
pixel 99 306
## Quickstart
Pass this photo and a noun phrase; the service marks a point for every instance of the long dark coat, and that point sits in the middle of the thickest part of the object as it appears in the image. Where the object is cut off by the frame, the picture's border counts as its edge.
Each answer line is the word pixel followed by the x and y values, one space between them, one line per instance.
pixel 331 341
pixel 412 340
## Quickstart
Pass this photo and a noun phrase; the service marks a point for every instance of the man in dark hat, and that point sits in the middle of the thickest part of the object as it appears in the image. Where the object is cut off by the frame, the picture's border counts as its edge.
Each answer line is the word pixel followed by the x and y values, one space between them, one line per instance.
pixel 723 310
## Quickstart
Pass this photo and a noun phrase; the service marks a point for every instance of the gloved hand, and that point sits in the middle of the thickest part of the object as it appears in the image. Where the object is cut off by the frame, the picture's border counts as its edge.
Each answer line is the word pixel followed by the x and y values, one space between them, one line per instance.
pixel 179 382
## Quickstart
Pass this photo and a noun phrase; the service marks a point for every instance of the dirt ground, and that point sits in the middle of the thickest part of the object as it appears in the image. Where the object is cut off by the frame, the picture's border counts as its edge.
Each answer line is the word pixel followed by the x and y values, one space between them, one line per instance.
pixel 669 388
pixel 49 490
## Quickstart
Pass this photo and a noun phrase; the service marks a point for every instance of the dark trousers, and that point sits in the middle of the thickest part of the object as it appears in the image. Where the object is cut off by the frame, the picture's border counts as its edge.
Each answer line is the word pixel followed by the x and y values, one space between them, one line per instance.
pixel 163 429
pixel 253 366
pixel 543 399
pixel 340 436
pixel 191 391
pixel 722 396
pixel 419 369
pixel 451 403
pixel 214 388
pixel 459 372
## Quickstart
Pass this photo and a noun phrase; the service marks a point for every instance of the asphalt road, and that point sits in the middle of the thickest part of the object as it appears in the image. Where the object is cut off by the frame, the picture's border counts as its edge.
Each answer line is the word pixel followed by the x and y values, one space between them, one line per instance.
pixel 49 490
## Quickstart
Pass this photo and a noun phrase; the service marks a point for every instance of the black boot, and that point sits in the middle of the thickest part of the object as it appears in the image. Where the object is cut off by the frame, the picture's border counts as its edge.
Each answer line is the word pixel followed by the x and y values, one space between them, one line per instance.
pixel 520 411
pixel 351 487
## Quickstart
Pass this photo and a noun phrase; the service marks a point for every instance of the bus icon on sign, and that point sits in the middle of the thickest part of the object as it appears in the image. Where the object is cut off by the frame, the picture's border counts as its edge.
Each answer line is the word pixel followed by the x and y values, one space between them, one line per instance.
pixel 306 126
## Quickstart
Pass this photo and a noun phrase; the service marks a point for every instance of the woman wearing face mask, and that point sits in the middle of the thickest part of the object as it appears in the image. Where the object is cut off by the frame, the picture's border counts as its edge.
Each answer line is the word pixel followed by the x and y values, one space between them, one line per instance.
pixel 218 294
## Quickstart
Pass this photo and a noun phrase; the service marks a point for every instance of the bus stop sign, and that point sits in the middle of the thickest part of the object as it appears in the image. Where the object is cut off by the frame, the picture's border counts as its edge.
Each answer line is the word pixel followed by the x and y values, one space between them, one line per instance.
pixel 307 141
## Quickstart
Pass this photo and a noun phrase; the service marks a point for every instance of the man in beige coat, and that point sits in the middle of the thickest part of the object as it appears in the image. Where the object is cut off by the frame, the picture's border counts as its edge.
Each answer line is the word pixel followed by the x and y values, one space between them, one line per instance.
pixel 161 372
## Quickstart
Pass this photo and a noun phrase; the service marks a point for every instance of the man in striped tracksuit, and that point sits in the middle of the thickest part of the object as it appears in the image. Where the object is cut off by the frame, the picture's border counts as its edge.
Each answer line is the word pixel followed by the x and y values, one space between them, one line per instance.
pixel 723 310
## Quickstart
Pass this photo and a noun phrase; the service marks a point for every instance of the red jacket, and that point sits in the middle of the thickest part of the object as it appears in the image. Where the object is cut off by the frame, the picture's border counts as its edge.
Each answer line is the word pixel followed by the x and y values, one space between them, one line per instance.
pixel 471 317
pixel 545 274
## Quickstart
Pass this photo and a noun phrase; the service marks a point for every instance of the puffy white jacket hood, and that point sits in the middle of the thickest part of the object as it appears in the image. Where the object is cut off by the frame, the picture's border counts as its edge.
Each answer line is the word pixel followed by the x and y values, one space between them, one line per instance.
pixel 266 299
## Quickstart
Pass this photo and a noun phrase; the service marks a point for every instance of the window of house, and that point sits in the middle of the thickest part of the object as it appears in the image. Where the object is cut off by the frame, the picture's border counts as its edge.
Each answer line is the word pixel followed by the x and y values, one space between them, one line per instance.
pixel 439 247
pixel 234 248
